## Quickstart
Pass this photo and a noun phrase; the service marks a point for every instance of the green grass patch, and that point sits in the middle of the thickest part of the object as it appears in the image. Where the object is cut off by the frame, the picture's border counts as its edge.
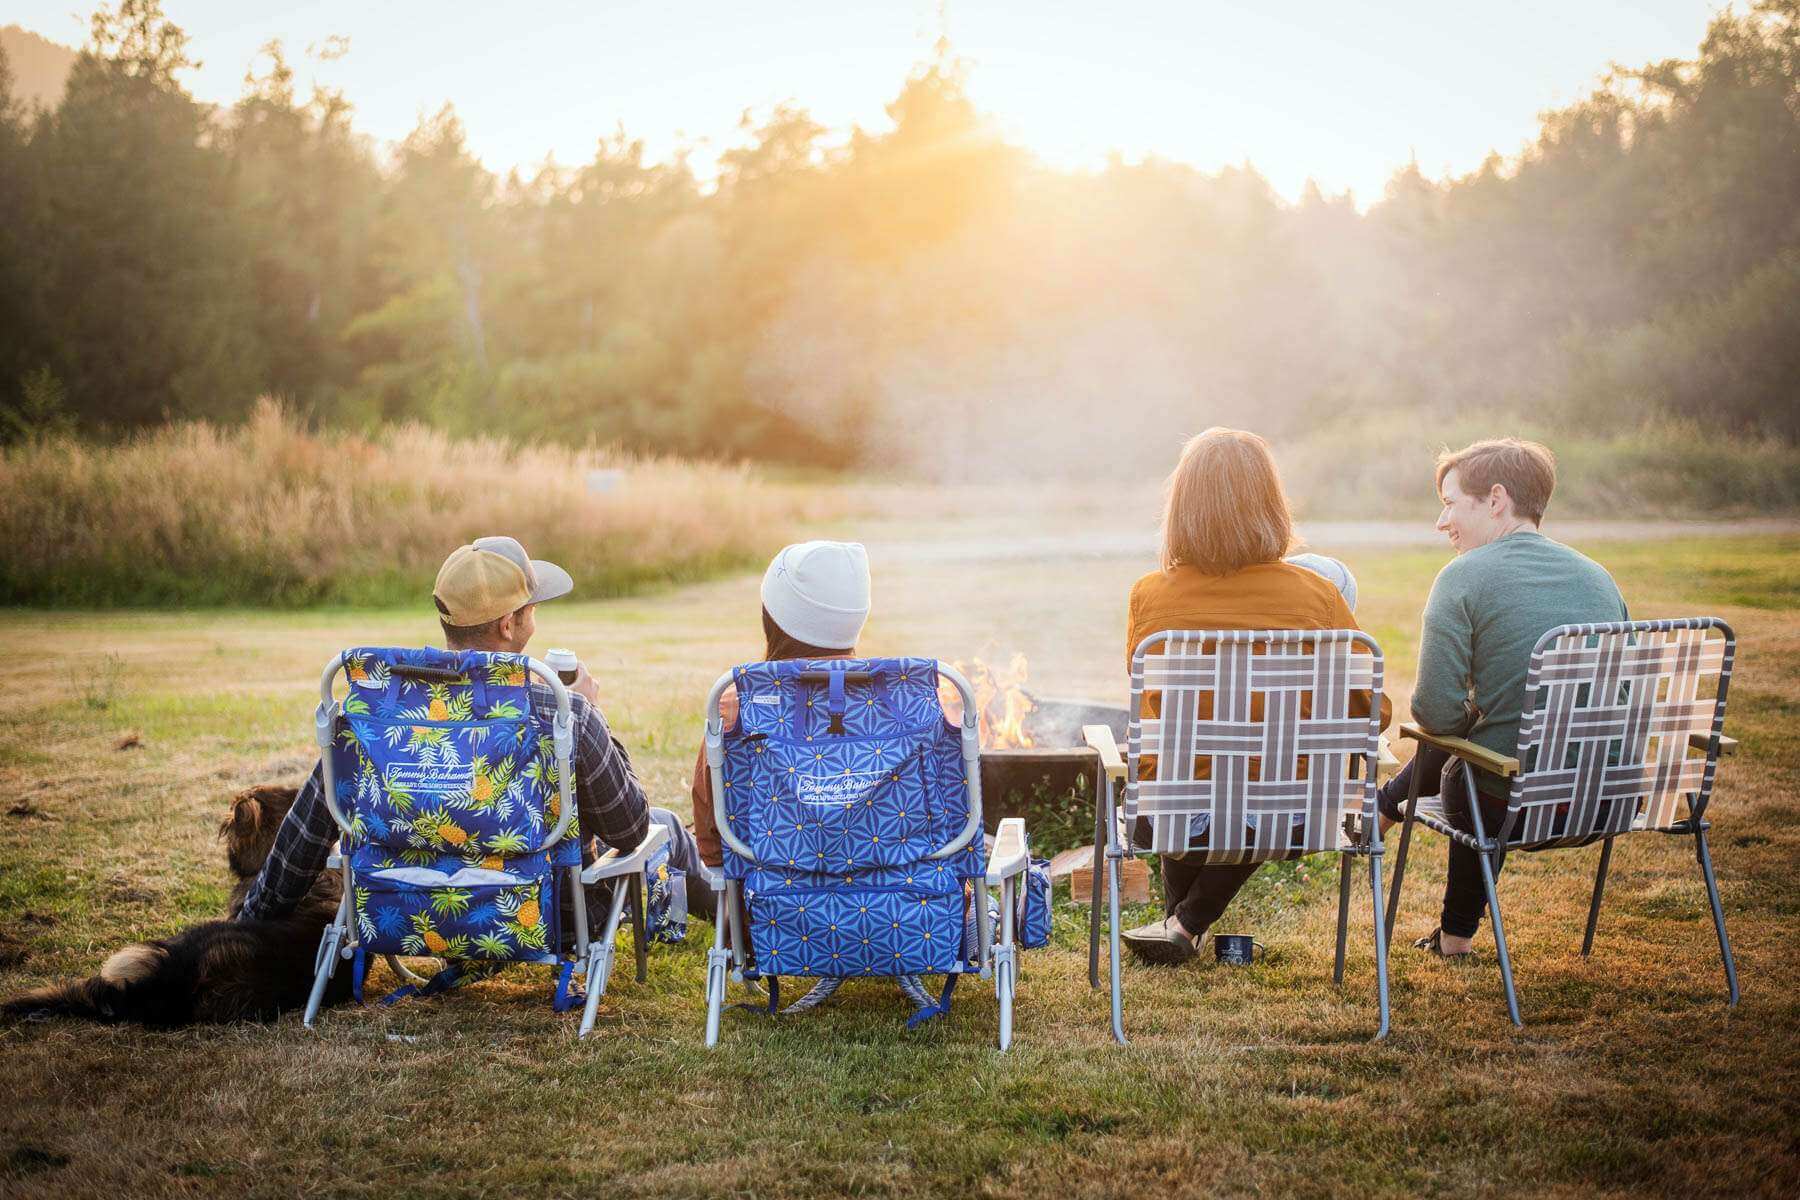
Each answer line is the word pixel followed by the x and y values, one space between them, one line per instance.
pixel 1631 1074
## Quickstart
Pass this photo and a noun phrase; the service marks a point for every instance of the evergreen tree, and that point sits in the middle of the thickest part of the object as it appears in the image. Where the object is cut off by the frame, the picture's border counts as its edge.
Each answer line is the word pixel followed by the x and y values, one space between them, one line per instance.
pixel 143 292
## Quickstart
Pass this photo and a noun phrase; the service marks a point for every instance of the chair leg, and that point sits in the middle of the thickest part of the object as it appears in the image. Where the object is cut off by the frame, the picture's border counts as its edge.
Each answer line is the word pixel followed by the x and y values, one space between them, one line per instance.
pixel 578 898
pixel 1381 946
pixel 1118 997
pixel 984 930
pixel 1406 831
pixel 598 969
pixel 1100 798
pixel 1006 1001
pixel 600 960
pixel 1344 869
pixel 736 929
pixel 640 927
pixel 1718 912
pixel 1490 870
pixel 1506 975
pixel 327 965
pixel 1006 964
pixel 718 963
pixel 1587 941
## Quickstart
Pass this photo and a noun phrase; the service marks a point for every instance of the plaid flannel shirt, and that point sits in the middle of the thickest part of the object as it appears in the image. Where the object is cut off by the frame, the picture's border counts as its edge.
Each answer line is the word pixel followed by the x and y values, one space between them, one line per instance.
pixel 608 799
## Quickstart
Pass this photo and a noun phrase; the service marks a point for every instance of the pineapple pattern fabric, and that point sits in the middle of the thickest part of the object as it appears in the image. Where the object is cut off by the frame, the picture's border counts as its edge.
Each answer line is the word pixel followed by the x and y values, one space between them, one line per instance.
pixel 842 795
pixel 450 787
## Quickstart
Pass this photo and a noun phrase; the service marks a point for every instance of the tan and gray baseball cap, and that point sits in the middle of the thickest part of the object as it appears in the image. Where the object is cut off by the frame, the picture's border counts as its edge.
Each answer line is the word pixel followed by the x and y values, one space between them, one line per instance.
pixel 491 577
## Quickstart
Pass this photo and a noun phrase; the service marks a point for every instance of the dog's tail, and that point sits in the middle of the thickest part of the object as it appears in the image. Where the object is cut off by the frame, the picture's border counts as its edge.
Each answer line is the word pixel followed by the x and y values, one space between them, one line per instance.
pixel 131 986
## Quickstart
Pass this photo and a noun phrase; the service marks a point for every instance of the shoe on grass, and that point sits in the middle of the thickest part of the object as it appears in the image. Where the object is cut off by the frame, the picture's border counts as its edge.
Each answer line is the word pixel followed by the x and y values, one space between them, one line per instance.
pixel 1162 943
pixel 1434 945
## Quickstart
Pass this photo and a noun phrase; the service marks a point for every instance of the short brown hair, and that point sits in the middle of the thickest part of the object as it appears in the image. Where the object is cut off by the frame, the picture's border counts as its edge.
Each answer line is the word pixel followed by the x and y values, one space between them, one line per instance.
pixel 1225 507
pixel 1527 470
pixel 459 637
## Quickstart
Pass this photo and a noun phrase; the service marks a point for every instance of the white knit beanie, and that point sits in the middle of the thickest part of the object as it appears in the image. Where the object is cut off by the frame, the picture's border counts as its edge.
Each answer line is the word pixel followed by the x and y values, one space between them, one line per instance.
pixel 818 592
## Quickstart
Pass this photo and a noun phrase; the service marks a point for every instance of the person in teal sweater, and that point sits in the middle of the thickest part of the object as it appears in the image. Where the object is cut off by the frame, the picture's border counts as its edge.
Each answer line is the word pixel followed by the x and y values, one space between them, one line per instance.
pixel 1506 587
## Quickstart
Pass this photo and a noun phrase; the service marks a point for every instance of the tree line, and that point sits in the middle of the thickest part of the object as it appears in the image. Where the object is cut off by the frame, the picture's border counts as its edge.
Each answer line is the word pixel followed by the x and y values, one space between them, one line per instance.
pixel 924 296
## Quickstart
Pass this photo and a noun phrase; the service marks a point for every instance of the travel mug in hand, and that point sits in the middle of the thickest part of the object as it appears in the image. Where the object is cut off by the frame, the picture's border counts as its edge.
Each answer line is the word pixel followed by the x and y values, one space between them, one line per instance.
pixel 565 664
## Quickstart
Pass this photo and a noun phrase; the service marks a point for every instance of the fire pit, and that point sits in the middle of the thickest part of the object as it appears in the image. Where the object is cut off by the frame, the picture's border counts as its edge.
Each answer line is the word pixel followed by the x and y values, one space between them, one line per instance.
pixel 1054 767
pixel 1034 763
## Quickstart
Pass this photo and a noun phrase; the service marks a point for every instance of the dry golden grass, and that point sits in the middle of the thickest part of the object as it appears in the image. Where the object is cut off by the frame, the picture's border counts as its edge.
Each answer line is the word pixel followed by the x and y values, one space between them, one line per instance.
pixel 1630 1078
pixel 270 513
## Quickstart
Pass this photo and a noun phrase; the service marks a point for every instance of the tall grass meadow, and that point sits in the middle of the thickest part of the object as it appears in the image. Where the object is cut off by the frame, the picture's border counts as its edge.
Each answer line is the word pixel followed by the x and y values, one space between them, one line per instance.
pixel 270 513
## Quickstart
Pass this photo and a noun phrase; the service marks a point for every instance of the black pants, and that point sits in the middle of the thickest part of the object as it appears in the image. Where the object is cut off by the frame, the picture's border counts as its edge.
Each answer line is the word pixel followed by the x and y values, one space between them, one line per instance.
pixel 1196 892
pixel 1465 899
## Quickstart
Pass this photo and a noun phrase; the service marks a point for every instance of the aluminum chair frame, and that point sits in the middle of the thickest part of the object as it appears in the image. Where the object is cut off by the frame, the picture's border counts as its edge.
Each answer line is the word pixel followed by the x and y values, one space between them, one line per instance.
pixel 593 957
pixel 1113 814
pixel 1008 859
pixel 1619 676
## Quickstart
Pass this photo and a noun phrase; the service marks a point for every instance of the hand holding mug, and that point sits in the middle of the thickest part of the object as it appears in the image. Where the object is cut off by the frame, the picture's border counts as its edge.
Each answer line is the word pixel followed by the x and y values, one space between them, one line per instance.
pixel 573 673
pixel 585 685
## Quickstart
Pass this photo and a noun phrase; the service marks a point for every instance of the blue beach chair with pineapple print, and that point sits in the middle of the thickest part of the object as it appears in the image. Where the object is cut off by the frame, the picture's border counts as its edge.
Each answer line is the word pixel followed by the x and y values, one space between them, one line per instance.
pixel 850 812
pixel 455 804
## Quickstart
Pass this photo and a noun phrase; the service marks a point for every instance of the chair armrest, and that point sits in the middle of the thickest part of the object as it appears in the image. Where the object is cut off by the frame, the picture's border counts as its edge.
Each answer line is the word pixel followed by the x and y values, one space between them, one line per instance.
pixel 1727 745
pixel 1463 748
pixel 1009 855
pixel 615 863
pixel 1387 765
pixel 1100 739
pixel 714 876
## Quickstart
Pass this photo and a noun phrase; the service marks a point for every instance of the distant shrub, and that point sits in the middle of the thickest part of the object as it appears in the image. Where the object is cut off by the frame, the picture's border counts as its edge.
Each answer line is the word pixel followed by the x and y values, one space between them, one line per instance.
pixel 1381 466
pixel 270 513
pixel 42 411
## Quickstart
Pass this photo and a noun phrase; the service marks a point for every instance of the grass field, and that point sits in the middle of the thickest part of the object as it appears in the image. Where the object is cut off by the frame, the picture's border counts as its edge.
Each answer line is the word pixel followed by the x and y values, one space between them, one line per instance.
pixel 273 514
pixel 1630 1077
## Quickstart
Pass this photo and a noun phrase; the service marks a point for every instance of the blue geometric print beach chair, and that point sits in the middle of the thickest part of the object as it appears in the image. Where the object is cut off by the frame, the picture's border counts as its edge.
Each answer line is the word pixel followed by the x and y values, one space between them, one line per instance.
pixel 850 812
pixel 457 815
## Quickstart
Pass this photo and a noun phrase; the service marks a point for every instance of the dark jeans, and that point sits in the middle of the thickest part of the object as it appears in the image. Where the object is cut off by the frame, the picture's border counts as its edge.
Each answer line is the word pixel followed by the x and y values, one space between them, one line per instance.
pixel 1465 899
pixel 1196 892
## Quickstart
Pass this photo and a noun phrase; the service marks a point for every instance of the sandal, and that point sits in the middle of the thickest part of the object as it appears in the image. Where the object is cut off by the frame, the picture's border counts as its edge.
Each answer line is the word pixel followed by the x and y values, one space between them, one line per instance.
pixel 1435 945
pixel 1161 943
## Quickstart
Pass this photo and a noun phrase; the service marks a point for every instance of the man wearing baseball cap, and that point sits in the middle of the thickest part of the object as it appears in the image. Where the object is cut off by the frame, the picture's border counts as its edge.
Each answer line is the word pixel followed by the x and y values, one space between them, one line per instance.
pixel 486 595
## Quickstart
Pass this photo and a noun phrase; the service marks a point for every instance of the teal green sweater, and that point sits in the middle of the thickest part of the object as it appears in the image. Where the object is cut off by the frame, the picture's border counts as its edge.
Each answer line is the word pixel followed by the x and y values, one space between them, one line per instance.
pixel 1487 610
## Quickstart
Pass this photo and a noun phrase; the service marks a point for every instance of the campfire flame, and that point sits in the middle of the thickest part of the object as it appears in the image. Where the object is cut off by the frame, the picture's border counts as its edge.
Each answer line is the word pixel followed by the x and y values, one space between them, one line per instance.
pixel 1000 700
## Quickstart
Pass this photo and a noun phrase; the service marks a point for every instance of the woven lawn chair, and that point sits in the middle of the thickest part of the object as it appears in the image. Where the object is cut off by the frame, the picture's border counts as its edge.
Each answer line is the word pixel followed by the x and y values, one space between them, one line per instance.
pixel 456 808
pixel 1314 788
pixel 1614 710
pixel 850 812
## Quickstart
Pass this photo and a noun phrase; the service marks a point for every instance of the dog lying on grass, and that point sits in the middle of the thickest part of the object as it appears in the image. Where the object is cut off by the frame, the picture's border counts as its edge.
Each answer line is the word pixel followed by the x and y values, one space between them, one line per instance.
pixel 219 970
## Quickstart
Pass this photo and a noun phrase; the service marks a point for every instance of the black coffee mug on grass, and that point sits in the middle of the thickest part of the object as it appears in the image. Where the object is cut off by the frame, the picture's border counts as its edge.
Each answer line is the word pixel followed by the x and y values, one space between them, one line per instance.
pixel 1238 949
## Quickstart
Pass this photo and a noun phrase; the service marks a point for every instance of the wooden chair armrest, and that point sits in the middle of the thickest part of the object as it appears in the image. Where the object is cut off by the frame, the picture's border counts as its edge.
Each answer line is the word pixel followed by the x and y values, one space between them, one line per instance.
pixel 1727 745
pixel 1476 756
pixel 1387 765
pixel 1100 739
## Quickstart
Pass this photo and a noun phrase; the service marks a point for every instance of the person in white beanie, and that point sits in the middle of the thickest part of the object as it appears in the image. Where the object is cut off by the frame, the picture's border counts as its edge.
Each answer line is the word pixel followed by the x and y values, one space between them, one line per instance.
pixel 816 595
pixel 815 602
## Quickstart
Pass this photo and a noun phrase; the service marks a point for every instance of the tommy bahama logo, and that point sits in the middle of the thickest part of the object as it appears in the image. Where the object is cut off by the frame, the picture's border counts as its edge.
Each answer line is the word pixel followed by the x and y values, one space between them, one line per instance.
pixel 837 789
pixel 428 779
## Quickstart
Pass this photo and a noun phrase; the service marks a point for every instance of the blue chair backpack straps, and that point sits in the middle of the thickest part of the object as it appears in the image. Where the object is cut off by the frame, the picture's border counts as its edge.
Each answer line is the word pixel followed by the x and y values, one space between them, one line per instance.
pixel 835 704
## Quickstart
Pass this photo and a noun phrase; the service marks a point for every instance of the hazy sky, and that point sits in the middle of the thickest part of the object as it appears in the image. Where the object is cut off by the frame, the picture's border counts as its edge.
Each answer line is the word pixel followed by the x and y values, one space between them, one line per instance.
pixel 1343 91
